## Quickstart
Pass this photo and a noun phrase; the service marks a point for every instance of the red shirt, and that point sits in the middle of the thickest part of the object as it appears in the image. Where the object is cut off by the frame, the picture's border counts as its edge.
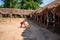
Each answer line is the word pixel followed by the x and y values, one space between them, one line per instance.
pixel 22 22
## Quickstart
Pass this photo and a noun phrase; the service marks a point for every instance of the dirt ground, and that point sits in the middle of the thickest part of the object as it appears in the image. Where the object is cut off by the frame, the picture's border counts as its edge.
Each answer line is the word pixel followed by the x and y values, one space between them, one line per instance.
pixel 9 29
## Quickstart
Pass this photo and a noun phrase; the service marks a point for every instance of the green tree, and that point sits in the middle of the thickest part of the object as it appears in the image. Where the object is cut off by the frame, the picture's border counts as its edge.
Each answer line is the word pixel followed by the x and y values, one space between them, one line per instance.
pixel 23 4
pixel 30 4
pixel 10 3
pixel 1 6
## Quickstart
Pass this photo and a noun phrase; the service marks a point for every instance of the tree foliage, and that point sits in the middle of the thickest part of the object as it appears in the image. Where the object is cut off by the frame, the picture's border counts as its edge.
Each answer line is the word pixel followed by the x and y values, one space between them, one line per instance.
pixel 23 4
pixel 10 3
pixel 30 4
pixel 0 6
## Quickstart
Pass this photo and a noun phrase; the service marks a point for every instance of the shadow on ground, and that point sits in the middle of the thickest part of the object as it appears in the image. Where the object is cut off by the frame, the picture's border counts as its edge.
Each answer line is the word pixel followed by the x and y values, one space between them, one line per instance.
pixel 26 34
pixel 38 33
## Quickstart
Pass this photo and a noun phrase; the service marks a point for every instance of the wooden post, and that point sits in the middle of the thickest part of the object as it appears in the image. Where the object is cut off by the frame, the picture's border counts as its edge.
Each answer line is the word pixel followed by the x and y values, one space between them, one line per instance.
pixel 44 20
pixel 10 17
pixel 37 18
pixel 41 18
pixel 0 16
pixel 54 20
pixel 47 21
pixel 58 26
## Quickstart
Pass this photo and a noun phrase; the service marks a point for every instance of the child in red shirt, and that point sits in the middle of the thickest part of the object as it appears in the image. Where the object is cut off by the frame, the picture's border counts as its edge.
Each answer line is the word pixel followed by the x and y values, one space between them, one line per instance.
pixel 22 23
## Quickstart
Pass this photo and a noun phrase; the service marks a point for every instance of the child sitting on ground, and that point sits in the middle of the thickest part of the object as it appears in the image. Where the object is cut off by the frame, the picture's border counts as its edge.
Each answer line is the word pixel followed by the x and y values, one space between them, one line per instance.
pixel 24 23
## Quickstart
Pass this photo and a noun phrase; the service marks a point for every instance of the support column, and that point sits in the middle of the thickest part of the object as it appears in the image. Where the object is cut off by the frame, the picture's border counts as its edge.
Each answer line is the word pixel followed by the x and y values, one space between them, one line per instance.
pixel 47 21
pixel 10 16
pixel 44 20
pixel 0 15
pixel 54 20
pixel 40 19
pixel 37 18
pixel 34 17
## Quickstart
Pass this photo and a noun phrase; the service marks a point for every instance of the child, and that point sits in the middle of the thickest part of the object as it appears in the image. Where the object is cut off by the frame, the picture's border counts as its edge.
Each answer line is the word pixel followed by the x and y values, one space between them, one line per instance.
pixel 22 23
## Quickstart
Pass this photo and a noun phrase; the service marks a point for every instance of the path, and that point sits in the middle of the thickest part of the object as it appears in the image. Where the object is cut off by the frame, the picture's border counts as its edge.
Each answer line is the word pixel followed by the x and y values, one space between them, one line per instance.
pixel 37 33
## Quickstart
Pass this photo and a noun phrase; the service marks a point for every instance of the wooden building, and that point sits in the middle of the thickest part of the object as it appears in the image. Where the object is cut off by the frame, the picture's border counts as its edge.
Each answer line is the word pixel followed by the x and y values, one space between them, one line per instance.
pixel 49 15
pixel 57 18
pixel 11 12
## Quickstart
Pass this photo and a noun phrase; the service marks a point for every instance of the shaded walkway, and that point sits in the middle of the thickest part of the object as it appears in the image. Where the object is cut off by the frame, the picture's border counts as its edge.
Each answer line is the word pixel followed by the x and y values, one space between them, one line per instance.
pixel 37 33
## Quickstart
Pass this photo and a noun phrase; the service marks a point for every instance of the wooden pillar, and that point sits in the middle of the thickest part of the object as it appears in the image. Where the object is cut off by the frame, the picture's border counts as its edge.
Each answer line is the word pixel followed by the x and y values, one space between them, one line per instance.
pixel 31 16
pixel 25 16
pixel 34 17
pixel 58 28
pixel 54 20
pixel 37 18
pixel 59 25
pixel 0 15
pixel 10 16
pixel 47 21
pixel 44 20
pixel 41 18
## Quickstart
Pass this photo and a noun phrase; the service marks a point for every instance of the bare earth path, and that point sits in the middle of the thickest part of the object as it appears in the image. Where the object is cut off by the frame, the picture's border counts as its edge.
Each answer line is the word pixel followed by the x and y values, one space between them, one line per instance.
pixel 37 33
pixel 9 30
